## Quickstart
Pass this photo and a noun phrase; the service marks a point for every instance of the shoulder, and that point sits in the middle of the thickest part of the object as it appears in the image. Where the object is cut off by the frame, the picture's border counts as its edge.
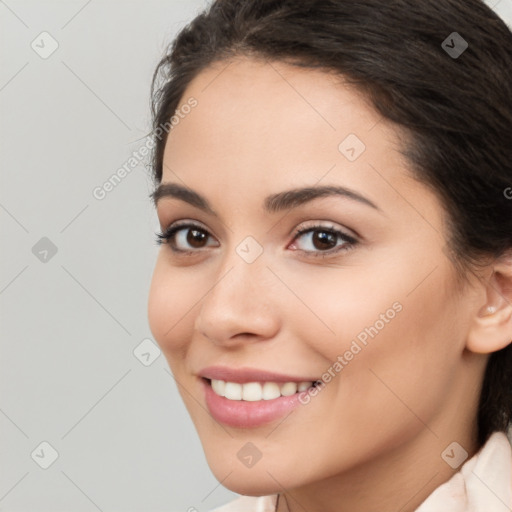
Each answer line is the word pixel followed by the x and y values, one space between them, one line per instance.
pixel 249 504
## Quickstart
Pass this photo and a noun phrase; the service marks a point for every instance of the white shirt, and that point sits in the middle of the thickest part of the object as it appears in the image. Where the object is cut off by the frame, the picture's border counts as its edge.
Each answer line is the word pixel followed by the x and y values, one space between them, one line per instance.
pixel 483 484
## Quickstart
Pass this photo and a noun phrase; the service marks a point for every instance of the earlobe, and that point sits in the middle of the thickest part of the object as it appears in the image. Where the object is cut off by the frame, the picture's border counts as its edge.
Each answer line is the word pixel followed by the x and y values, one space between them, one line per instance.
pixel 491 328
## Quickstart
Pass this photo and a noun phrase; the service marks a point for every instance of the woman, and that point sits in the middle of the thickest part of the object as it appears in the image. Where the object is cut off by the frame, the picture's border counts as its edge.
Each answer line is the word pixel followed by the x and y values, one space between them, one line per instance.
pixel 333 292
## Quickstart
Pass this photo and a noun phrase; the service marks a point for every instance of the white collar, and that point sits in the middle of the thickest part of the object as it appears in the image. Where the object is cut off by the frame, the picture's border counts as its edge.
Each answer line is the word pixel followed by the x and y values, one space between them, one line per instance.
pixel 483 483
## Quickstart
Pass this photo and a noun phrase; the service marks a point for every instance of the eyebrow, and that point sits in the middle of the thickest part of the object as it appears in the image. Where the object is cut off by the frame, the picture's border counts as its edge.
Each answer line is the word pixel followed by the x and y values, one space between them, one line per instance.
pixel 272 204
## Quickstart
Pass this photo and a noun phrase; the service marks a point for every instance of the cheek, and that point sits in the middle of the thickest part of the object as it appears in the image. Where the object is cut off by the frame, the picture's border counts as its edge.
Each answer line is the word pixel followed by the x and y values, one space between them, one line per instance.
pixel 170 306
pixel 338 307
pixel 402 375
pixel 398 336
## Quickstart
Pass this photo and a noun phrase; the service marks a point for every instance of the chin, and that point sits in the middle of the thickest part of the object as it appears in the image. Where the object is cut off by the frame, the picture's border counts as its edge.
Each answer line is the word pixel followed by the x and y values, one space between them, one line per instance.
pixel 250 486
pixel 255 481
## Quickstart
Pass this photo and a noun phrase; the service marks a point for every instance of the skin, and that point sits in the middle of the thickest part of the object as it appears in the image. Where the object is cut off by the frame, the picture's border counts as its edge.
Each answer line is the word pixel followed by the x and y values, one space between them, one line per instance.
pixel 372 438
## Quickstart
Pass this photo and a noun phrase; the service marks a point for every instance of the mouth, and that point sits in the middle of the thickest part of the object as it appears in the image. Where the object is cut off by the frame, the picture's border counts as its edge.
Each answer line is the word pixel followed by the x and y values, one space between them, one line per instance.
pixel 253 404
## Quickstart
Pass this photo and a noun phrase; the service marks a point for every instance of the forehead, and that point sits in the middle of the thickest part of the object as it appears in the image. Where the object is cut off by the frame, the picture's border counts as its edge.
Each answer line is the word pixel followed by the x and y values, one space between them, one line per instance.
pixel 286 108
pixel 262 126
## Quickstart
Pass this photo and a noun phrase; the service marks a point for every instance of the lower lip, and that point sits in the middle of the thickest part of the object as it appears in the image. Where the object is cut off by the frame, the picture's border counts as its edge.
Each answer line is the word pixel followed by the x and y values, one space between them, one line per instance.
pixel 245 414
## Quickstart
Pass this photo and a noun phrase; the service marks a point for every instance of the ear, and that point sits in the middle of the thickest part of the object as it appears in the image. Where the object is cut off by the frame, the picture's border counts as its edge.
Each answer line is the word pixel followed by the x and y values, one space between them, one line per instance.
pixel 491 328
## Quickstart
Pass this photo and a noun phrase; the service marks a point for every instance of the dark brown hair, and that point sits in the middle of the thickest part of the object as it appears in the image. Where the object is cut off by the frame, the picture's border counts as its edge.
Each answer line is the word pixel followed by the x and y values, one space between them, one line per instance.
pixel 455 109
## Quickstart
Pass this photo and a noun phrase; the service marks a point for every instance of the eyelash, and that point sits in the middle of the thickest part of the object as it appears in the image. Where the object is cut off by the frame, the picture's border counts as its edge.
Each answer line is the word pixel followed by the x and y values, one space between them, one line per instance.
pixel 168 235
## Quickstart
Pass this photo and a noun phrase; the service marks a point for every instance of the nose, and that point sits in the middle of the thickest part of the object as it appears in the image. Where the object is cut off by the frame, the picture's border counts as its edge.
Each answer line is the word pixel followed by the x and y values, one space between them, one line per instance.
pixel 240 306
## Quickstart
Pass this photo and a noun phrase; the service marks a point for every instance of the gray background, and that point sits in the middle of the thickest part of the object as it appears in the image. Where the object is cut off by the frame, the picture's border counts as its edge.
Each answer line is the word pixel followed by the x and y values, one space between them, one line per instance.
pixel 72 320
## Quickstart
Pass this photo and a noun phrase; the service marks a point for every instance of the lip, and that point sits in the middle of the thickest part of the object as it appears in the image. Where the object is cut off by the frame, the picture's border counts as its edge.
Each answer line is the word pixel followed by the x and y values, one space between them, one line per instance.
pixel 245 414
pixel 244 375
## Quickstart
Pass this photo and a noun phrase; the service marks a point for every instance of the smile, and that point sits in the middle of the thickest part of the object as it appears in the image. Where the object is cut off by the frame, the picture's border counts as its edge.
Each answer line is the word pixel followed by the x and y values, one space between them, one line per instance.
pixel 256 391
pixel 252 404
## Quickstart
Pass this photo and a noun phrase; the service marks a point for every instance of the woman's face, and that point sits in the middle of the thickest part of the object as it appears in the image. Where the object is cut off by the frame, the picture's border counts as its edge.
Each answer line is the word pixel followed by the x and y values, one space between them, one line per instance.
pixel 374 311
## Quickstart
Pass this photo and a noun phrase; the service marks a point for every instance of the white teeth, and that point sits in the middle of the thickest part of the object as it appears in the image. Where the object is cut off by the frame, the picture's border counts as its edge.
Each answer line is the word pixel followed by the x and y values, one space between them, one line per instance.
pixel 251 391
pixel 254 391
pixel 289 388
pixel 233 391
pixel 303 386
pixel 219 387
pixel 270 391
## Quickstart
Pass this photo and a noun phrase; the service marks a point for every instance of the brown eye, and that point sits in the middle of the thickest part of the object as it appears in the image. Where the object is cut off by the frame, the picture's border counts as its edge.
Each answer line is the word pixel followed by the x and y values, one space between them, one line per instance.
pixel 184 237
pixel 196 237
pixel 322 241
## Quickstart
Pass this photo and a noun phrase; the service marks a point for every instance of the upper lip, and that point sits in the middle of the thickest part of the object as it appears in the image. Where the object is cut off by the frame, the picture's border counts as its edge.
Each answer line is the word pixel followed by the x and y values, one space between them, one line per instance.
pixel 243 375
